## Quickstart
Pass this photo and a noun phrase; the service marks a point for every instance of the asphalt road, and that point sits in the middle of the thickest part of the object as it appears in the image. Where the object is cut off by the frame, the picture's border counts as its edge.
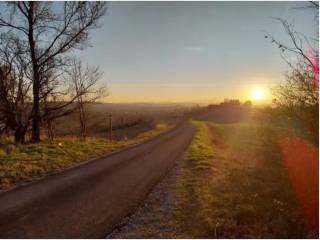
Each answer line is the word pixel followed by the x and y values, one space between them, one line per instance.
pixel 89 200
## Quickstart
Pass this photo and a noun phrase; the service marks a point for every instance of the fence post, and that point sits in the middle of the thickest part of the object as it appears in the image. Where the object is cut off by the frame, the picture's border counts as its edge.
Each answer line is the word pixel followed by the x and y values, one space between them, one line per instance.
pixel 110 126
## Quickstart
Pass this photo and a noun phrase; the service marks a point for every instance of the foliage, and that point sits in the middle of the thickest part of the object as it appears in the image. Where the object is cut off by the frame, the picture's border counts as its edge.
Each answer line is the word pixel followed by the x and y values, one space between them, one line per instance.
pixel 298 99
pixel 231 110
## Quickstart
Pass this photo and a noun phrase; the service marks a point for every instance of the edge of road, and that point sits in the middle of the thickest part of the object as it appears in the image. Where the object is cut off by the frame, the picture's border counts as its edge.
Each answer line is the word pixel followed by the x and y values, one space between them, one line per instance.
pixel 91 160
pixel 75 173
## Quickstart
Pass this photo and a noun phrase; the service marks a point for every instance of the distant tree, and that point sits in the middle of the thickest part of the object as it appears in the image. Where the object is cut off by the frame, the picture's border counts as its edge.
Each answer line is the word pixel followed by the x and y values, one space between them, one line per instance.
pixel 85 87
pixel 231 103
pixel 247 104
pixel 46 32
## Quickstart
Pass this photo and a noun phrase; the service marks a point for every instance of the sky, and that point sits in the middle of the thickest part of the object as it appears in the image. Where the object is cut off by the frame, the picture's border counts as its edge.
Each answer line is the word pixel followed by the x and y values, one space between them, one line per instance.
pixel 199 52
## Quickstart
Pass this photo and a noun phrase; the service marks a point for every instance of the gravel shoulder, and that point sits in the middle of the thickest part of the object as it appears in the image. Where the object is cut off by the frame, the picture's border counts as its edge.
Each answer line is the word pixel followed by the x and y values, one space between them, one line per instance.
pixel 153 219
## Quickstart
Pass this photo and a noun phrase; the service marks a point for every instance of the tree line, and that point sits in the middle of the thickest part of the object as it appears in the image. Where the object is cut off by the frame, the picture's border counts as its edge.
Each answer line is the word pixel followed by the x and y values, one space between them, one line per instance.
pixel 41 79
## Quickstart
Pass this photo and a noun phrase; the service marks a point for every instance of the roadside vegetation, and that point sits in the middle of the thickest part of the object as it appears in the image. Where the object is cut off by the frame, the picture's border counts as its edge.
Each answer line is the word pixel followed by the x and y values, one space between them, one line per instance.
pixel 296 98
pixel 233 185
pixel 27 162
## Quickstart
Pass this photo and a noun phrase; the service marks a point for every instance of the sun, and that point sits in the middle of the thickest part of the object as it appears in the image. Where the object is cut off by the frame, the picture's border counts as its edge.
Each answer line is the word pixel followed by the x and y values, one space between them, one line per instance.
pixel 258 93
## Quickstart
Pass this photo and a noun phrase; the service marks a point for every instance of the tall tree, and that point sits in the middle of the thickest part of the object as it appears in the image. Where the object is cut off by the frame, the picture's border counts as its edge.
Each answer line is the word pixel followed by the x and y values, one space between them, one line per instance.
pixel 49 31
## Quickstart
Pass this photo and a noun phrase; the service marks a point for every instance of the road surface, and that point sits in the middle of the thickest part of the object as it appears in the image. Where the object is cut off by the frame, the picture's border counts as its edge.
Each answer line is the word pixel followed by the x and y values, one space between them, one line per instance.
pixel 89 200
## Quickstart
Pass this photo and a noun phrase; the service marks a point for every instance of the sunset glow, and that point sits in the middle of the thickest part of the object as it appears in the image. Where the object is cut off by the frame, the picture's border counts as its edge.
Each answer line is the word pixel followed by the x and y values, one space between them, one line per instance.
pixel 258 94
pixel 159 119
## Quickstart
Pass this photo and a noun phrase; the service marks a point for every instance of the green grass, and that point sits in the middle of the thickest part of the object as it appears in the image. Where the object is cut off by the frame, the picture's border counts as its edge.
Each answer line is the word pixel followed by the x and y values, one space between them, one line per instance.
pixel 28 162
pixel 200 151
pixel 233 185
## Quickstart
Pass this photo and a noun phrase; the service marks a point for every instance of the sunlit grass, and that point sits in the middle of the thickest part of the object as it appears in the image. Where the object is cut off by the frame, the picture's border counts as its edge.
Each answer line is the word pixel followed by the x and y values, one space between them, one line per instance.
pixel 27 162
pixel 242 190
pixel 200 151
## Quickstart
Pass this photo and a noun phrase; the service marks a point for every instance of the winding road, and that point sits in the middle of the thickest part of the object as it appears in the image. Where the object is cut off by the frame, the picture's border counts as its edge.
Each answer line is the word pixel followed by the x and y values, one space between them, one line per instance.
pixel 89 200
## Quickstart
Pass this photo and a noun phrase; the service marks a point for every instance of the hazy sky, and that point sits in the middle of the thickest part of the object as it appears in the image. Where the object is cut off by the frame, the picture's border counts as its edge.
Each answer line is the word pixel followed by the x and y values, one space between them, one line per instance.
pixel 191 51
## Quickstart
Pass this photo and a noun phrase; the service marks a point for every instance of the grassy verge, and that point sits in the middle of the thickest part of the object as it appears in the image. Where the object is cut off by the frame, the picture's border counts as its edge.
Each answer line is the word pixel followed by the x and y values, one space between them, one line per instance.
pixel 28 162
pixel 233 185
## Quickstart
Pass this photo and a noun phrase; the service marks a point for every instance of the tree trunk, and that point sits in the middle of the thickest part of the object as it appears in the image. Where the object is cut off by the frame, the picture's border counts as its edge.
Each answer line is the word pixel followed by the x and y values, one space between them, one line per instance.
pixel 35 138
pixel 36 79
pixel 82 119
pixel 19 135
pixel 50 129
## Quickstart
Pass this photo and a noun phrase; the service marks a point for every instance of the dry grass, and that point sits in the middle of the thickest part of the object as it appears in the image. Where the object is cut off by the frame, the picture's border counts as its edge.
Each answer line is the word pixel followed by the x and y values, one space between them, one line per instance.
pixel 233 185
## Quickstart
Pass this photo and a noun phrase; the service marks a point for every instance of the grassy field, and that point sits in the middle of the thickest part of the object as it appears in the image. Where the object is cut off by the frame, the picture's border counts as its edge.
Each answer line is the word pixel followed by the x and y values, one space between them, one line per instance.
pixel 28 162
pixel 233 185
pixel 128 120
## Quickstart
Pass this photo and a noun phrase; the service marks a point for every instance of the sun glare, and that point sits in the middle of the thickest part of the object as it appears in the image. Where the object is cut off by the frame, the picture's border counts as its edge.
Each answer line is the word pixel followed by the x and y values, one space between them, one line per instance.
pixel 258 94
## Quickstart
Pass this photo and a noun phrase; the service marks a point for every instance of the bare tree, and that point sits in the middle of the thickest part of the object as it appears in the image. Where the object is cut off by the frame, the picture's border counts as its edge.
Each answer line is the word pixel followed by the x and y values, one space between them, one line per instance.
pixel 15 107
pixel 49 31
pixel 84 85
pixel 301 45
pixel 298 96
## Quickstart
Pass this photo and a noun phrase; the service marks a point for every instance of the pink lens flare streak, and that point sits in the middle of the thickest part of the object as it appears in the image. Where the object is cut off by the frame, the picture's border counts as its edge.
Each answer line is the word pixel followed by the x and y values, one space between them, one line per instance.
pixel 315 65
